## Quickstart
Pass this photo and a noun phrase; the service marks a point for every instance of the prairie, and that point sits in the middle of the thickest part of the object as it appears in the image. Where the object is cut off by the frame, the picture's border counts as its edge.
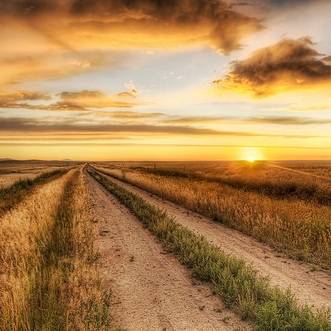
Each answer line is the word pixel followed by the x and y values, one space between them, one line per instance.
pixel 236 282
pixel 297 225
pixel 81 250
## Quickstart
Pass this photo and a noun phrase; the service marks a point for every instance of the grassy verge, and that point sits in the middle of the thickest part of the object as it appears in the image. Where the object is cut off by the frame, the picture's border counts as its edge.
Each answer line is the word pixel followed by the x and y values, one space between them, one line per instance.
pixel 299 229
pixel 13 194
pixel 240 287
pixel 68 293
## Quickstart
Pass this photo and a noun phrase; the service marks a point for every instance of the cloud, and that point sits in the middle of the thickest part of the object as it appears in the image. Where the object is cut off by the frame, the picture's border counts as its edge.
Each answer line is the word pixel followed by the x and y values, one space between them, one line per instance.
pixel 287 120
pixel 278 120
pixel 195 120
pixel 89 99
pixel 129 114
pixel 33 125
pixel 51 65
pixel 153 22
pixel 287 65
pixel 18 99
pixel 70 101
pixel 42 126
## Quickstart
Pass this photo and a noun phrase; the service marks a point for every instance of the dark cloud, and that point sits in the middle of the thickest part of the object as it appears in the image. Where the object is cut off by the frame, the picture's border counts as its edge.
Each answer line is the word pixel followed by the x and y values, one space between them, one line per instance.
pixel 33 125
pixel 81 94
pixel 287 120
pixel 288 64
pixel 223 26
pixel 27 125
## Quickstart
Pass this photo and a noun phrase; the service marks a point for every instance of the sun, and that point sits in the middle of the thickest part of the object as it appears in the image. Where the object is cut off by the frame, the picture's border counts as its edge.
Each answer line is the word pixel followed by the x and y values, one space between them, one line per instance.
pixel 251 154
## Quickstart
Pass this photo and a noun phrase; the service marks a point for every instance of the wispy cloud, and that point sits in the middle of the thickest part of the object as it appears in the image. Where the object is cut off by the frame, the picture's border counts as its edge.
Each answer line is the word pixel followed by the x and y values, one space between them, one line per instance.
pixel 127 115
pixel 70 101
pixel 277 120
pixel 29 125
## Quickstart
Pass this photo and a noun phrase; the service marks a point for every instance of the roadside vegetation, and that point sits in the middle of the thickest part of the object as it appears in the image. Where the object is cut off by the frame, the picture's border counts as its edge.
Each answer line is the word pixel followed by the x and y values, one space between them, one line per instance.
pixel 238 284
pixel 10 196
pixel 300 229
pixel 49 265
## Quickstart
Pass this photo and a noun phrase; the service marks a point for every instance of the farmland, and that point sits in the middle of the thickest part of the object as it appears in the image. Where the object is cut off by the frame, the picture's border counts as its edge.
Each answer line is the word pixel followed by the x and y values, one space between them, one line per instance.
pixel 165 245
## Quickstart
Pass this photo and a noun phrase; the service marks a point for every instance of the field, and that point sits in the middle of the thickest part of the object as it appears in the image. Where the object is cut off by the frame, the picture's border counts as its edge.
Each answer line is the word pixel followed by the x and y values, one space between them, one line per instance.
pixel 165 246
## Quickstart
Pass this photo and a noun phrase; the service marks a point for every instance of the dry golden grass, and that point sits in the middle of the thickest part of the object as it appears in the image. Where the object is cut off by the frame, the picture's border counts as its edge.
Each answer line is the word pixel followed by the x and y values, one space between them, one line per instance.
pixel 309 181
pixel 48 263
pixel 12 195
pixel 23 233
pixel 12 176
pixel 71 290
pixel 298 228
pixel 10 179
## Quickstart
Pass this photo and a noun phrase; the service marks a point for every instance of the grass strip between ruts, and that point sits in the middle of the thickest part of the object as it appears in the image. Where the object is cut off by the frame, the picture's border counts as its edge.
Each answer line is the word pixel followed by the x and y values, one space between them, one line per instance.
pixel 13 194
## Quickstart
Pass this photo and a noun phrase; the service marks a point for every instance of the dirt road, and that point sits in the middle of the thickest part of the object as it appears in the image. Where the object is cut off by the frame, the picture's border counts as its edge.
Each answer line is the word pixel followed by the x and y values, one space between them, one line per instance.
pixel 150 289
pixel 310 287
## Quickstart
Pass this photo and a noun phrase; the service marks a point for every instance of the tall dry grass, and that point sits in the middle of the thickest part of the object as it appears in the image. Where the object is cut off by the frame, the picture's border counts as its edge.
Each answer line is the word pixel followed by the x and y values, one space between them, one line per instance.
pixel 69 293
pixel 10 177
pixel 12 195
pixel 269 179
pixel 298 228
pixel 49 265
pixel 24 232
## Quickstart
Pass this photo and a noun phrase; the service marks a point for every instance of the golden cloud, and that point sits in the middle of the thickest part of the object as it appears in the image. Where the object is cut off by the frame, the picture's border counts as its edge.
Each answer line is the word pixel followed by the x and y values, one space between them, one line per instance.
pixel 53 64
pixel 70 101
pixel 277 120
pixel 287 65
pixel 129 115
pixel 87 99
pixel 77 24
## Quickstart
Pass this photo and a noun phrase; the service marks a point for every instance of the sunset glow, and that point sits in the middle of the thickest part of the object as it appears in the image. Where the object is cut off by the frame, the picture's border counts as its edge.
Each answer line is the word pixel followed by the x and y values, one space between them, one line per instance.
pixel 251 154
pixel 187 80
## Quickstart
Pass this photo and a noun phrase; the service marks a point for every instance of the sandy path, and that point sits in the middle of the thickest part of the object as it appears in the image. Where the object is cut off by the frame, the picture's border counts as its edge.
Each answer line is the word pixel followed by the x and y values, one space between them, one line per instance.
pixel 310 287
pixel 150 289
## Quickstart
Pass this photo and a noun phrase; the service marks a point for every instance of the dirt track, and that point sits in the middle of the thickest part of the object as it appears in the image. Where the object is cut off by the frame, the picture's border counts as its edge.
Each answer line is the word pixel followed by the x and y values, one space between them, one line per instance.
pixel 150 289
pixel 310 287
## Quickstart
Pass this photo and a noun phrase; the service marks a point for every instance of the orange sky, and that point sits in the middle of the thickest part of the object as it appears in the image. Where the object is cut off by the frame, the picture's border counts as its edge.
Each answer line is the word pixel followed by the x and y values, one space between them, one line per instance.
pixel 184 80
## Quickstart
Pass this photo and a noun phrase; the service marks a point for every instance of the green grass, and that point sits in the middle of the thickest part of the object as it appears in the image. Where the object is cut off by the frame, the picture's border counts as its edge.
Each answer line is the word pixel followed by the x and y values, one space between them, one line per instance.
pixel 12 195
pixel 242 290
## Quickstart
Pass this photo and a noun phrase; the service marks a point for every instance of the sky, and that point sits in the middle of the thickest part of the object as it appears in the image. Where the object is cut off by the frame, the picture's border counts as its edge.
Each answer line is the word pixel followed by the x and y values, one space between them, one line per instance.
pixel 165 80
